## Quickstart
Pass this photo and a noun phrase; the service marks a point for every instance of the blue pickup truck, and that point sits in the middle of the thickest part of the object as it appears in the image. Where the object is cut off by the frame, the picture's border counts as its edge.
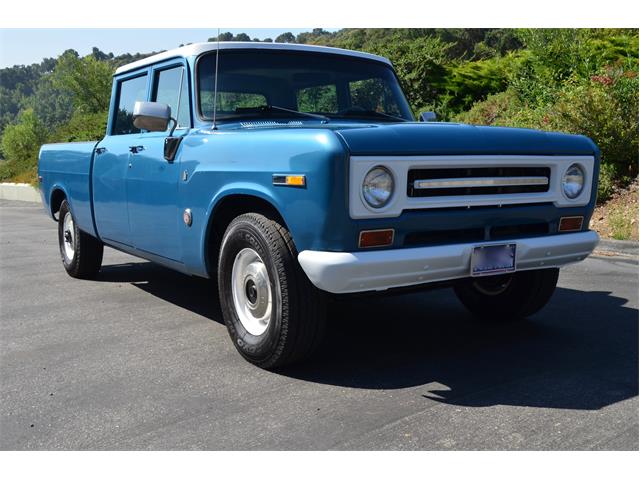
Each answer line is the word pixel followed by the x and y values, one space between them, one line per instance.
pixel 293 173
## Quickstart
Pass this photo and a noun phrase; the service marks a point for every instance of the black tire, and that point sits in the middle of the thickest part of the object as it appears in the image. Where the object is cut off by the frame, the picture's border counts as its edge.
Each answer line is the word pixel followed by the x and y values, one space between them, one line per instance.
pixel 504 298
pixel 297 309
pixel 87 255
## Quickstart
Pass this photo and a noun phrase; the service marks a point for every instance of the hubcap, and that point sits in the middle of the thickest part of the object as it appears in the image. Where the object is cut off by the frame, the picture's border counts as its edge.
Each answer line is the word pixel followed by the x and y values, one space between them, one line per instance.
pixel 69 240
pixel 251 291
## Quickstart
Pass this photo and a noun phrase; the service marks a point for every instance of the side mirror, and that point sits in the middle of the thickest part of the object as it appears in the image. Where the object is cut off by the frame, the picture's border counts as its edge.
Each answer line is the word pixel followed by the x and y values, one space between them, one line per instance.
pixel 152 116
pixel 428 116
pixel 155 117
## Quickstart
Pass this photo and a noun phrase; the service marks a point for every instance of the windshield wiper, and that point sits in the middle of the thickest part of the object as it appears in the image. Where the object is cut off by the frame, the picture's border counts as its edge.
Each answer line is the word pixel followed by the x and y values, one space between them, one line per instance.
pixel 275 108
pixel 357 113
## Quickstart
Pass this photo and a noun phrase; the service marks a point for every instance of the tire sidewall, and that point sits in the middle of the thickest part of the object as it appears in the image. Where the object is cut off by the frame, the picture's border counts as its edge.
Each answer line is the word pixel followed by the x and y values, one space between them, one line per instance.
pixel 244 234
pixel 68 265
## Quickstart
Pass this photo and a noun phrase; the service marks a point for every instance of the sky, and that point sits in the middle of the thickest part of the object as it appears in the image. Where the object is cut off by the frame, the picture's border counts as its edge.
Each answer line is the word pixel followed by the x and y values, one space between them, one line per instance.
pixel 25 46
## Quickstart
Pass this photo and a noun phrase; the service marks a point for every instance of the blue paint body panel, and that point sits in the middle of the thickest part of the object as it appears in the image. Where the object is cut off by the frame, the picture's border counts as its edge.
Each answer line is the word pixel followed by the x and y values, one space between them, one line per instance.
pixel 67 167
pixel 135 202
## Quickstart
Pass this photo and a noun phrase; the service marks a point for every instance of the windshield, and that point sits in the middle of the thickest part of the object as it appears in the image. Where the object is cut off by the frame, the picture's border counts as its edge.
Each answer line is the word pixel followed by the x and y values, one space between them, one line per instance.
pixel 259 83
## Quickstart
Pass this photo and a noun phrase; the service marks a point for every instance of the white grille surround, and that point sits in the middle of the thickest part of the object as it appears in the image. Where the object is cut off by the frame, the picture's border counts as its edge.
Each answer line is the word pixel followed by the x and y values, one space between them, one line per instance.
pixel 399 167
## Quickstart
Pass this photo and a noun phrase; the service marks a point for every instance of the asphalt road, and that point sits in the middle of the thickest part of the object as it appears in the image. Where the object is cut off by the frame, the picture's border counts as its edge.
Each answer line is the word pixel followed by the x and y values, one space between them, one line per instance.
pixel 139 359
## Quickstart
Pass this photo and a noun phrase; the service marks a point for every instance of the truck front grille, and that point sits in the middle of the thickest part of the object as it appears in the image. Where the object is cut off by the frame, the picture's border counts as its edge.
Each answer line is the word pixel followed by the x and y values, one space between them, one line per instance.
pixel 440 182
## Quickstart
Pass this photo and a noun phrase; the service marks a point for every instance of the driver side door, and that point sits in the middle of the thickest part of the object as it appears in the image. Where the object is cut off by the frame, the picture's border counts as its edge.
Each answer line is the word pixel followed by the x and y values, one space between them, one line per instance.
pixel 152 181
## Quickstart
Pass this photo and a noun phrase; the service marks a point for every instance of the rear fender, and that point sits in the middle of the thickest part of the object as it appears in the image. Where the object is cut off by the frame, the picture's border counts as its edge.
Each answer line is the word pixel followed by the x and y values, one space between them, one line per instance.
pixel 51 205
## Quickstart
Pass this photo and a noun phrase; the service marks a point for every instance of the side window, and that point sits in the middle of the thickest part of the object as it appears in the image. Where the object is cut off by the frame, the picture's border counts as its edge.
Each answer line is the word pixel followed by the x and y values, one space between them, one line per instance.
pixel 171 88
pixel 321 98
pixel 129 92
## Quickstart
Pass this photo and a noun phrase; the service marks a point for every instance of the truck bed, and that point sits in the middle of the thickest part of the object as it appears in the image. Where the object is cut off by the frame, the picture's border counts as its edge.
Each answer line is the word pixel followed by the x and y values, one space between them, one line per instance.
pixel 66 167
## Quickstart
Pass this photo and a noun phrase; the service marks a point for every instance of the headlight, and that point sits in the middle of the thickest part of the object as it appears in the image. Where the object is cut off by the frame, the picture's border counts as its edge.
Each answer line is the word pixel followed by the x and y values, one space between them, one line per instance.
pixel 377 187
pixel 573 181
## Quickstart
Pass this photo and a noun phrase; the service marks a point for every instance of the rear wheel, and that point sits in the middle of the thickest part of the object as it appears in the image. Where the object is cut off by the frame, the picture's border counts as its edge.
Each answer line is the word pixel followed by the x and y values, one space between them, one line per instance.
pixel 274 315
pixel 509 297
pixel 81 253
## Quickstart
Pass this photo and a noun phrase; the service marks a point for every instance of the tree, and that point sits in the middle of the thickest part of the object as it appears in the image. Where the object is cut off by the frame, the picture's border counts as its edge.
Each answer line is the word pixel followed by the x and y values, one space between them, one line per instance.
pixel 223 37
pixel 286 37
pixel 316 36
pixel 53 106
pixel 242 37
pixel 421 66
pixel 88 79
pixel 99 54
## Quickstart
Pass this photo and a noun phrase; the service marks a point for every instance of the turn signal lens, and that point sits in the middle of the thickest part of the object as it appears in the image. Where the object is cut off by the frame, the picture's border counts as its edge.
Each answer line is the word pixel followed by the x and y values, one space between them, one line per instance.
pixel 290 180
pixel 295 180
pixel 375 238
pixel 570 224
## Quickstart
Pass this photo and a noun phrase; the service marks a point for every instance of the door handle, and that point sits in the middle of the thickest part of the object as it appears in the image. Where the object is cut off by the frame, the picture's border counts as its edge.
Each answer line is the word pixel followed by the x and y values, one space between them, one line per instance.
pixel 100 150
pixel 136 149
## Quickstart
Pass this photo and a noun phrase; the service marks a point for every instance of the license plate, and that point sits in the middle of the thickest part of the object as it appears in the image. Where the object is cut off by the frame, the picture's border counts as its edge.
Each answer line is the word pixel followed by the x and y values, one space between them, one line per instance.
pixel 493 259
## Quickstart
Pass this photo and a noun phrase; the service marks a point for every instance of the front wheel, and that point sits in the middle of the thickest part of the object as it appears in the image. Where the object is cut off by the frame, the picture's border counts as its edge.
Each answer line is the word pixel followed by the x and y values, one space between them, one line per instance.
pixel 507 297
pixel 274 315
pixel 81 253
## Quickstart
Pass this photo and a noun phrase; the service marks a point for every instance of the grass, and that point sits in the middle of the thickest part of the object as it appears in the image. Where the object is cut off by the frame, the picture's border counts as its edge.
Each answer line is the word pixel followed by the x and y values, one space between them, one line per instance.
pixel 621 228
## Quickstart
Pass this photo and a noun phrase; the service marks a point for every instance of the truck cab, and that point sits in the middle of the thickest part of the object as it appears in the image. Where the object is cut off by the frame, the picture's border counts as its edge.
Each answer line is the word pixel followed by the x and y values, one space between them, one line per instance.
pixel 292 173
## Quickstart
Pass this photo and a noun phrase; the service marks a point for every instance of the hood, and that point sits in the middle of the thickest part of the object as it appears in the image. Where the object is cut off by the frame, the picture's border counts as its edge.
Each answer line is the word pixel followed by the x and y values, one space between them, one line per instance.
pixel 458 139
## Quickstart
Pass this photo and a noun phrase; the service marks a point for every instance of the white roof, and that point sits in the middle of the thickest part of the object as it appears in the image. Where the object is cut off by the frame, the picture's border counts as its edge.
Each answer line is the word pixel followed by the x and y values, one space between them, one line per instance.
pixel 198 48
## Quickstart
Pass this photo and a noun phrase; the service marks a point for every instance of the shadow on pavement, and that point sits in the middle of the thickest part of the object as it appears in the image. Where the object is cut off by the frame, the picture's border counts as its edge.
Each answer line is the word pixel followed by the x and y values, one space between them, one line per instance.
pixel 196 294
pixel 580 352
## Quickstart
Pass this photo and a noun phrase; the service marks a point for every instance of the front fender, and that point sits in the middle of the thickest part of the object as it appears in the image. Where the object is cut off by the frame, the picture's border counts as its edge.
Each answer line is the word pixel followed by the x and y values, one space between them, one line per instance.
pixel 243 162
pixel 245 188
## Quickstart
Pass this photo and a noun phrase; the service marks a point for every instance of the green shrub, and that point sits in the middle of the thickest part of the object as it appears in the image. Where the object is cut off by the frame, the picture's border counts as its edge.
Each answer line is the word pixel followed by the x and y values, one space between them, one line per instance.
pixel 21 142
pixel 20 146
pixel 82 127
pixel 497 109
pixel 420 65
pixel 607 182
pixel 555 56
pixel 467 82
pixel 606 110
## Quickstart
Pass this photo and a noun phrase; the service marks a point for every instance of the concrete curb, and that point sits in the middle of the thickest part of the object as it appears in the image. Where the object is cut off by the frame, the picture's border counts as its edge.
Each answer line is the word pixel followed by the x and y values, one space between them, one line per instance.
pixel 19 191
pixel 619 247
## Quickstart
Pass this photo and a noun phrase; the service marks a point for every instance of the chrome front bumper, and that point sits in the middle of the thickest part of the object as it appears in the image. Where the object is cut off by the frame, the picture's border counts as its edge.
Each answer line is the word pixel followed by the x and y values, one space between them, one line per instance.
pixel 349 272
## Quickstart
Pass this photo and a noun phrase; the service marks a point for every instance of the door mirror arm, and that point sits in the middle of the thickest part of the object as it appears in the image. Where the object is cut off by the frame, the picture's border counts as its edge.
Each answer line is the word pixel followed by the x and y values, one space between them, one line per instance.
pixel 171 143
pixel 155 117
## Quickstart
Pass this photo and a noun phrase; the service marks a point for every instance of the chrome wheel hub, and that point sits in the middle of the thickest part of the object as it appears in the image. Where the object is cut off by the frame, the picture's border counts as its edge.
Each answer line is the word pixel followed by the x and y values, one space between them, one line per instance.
pixel 251 291
pixel 68 234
